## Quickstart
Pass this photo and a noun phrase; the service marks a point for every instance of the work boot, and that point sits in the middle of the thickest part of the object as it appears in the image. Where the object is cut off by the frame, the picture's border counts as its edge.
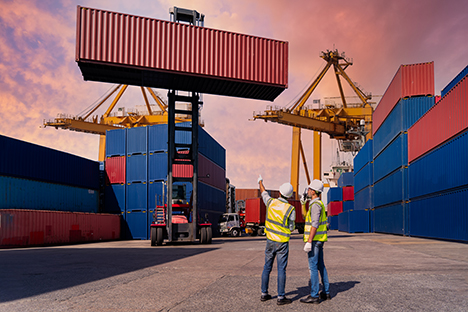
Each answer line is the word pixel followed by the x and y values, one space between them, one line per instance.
pixel 265 297
pixel 310 299
pixel 283 301
pixel 324 296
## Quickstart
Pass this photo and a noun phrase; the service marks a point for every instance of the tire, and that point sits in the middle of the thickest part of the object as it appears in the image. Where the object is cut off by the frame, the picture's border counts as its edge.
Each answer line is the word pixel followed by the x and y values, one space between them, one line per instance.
pixel 235 232
pixel 209 235
pixel 203 235
pixel 260 232
pixel 159 236
pixel 254 232
pixel 153 236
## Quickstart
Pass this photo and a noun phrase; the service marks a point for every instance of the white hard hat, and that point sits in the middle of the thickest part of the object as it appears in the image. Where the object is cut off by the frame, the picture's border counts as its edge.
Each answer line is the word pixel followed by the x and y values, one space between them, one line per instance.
pixel 316 185
pixel 286 190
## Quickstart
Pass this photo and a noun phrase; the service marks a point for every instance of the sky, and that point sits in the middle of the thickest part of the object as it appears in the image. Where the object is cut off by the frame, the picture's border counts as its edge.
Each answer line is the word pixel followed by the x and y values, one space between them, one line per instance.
pixel 40 79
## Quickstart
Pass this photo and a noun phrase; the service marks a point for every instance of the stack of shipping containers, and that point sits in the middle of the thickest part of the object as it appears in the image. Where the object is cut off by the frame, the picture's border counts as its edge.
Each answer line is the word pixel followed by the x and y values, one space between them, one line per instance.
pixel 353 219
pixel 438 166
pixel 334 206
pixel 363 181
pixel 407 98
pixel 49 197
pixel 146 169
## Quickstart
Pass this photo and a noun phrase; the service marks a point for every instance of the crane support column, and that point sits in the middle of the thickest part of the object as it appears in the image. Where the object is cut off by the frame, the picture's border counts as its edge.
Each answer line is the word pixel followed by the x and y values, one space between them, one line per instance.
pixel 296 145
pixel 317 155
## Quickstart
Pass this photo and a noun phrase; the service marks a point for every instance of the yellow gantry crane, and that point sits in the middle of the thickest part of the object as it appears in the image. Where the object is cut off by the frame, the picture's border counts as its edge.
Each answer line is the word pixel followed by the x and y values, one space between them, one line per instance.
pixel 349 124
pixel 100 124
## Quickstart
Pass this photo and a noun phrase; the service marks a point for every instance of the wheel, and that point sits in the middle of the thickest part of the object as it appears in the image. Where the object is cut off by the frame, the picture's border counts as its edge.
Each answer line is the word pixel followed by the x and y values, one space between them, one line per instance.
pixel 254 232
pixel 159 236
pixel 153 236
pixel 203 235
pixel 235 232
pixel 209 235
pixel 260 231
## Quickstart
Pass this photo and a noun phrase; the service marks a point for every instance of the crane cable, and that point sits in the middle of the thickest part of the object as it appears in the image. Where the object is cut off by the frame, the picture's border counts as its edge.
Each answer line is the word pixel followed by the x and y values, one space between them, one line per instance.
pixel 93 105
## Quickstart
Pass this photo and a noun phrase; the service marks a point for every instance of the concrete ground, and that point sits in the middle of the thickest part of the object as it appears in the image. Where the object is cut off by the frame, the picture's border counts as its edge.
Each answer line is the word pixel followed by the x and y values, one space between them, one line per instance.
pixel 367 272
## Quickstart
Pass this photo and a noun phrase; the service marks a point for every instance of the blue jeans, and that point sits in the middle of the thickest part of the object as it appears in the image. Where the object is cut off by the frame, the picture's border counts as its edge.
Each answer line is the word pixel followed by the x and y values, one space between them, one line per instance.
pixel 281 250
pixel 316 265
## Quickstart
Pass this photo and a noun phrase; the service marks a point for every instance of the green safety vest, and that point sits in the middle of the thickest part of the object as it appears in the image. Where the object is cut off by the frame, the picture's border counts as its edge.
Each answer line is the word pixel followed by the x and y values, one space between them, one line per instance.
pixel 321 234
pixel 278 213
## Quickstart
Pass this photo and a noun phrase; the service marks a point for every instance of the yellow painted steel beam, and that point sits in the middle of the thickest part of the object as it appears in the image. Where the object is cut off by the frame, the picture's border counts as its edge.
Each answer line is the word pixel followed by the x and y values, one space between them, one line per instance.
pixel 160 103
pixel 114 102
pixel 101 102
pixel 80 125
pixel 296 142
pixel 146 101
pixel 304 162
pixel 102 147
pixel 317 156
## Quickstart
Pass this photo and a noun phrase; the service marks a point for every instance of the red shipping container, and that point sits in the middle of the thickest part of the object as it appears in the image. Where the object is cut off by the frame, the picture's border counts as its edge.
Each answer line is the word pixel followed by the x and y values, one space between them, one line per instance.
pixel 122 48
pixel 22 228
pixel 243 194
pixel 410 80
pixel 115 170
pixel 255 210
pixel 348 193
pixel 335 208
pixel 443 121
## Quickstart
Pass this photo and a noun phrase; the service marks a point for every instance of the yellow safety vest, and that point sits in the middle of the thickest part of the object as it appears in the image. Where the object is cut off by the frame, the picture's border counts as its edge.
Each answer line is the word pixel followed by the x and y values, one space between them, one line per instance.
pixel 321 234
pixel 278 213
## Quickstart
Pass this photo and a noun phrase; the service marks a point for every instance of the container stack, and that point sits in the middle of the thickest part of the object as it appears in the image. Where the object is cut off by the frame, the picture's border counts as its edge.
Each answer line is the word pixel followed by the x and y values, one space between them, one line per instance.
pixel 363 180
pixel 353 219
pixel 49 197
pixel 145 178
pixel 334 203
pixel 409 96
pixel 438 166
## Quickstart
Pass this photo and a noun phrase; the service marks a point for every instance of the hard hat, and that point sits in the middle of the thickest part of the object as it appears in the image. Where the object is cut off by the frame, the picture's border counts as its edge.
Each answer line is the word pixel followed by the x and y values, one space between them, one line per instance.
pixel 316 185
pixel 286 190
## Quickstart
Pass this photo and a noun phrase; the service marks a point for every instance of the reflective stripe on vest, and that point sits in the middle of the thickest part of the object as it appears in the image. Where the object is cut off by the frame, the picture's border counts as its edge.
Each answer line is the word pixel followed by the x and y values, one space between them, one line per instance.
pixel 278 213
pixel 321 234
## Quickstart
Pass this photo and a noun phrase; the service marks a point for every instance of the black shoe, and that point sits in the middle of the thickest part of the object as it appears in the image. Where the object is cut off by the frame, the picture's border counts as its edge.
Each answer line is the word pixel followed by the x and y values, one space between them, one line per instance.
pixel 324 296
pixel 310 299
pixel 283 301
pixel 265 297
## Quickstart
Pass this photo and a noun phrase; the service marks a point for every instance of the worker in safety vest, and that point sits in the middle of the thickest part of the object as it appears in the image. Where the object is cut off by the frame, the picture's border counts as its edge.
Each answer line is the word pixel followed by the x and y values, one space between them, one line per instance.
pixel 279 223
pixel 315 236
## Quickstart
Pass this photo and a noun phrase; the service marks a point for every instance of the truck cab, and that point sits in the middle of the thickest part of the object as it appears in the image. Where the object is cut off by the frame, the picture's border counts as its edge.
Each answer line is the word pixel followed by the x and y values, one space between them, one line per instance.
pixel 229 224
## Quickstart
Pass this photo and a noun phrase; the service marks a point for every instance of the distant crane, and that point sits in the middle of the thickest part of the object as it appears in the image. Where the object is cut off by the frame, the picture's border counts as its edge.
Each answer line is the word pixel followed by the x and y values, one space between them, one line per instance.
pixel 350 125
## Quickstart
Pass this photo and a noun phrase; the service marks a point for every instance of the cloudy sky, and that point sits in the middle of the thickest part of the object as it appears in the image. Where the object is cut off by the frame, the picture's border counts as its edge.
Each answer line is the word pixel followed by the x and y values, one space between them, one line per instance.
pixel 39 78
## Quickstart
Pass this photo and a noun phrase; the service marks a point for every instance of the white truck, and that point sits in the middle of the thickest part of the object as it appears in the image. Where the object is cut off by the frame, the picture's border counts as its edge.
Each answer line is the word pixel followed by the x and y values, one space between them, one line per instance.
pixel 229 224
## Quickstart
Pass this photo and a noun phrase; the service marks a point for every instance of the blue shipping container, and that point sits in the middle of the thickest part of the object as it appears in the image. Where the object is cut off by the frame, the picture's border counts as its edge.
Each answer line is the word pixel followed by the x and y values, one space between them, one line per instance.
pixel 137 222
pixel 358 221
pixel 137 168
pixel 346 179
pixel 392 189
pixel 363 178
pixel 444 168
pixel 334 194
pixel 157 165
pixel 136 196
pixel 343 221
pixel 348 205
pixel 333 222
pixel 442 216
pixel 18 193
pixel 116 142
pixel 393 157
pixel 157 138
pixel 390 219
pixel 364 198
pixel 401 118
pixel 114 199
pixel 455 80
pixel 363 157
pixel 34 162
pixel 137 140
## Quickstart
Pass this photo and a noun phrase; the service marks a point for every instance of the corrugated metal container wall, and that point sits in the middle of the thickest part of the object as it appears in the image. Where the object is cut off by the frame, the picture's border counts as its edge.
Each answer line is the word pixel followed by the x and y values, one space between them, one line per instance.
pixel 30 161
pixel 443 168
pixel 390 219
pixel 157 138
pixel 426 221
pixel 343 221
pixel 255 210
pixel 401 118
pixel 116 142
pixel 363 157
pixel 364 198
pixel 454 81
pixel 335 208
pixel 137 168
pixel 210 173
pixel 393 188
pixel 178 56
pixel 348 193
pixel 358 221
pixel 211 149
pixel 348 205
pixel 410 80
pixel 157 166
pixel 364 177
pixel 243 194
pixel 443 121
pixel 137 140
pixel 21 228
pixel 115 169
pixel 20 193
pixel 334 194
pixel 333 222
pixel 393 157
pixel 211 203
pixel 136 196
pixel 346 179
pixel 137 221
pixel 114 200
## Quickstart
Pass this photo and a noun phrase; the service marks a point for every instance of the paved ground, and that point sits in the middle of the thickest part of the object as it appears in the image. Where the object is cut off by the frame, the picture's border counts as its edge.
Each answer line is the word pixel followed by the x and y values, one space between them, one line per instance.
pixel 368 272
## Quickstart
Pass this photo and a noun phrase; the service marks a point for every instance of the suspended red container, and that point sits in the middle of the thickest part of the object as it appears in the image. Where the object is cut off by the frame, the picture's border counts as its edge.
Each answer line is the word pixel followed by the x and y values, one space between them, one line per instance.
pixel 443 121
pixel 115 170
pixel 122 48
pixel 210 173
pixel 23 228
pixel 410 80
pixel 335 208
pixel 348 193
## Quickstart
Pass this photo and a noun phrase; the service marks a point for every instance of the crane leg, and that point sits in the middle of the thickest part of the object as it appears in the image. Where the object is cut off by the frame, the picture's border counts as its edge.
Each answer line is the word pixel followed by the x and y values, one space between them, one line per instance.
pixel 317 155
pixel 296 145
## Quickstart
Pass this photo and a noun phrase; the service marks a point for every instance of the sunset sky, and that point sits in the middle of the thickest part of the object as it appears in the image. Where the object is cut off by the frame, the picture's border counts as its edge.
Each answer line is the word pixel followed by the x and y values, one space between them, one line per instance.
pixel 40 79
